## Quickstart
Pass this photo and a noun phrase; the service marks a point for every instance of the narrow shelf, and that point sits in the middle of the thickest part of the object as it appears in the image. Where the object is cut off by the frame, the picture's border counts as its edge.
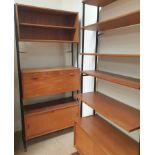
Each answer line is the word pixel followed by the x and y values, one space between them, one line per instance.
pixel 110 139
pixel 117 22
pixel 47 26
pixel 111 55
pixel 40 40
pixel 101 3
pixel 32 70
pixel 48 106
pixel 114 78
pixel 123 115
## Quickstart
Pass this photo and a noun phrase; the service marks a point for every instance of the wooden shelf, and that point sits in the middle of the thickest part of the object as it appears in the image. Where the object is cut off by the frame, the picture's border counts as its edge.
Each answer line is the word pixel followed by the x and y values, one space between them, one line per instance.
pixel 38 40
pixel 34 70
pixel 114 78
pixel 125 116
pixel 117 22
pixel 48 26
pixel 108 138
pixel 101 3
pixel 48 106
pixel 112 55
pixel 35 24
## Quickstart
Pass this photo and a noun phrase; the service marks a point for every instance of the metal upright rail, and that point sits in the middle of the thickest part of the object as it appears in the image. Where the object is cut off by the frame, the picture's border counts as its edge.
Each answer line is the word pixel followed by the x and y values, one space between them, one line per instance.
pixel 96 51
pixel 82 65
pixel 20 83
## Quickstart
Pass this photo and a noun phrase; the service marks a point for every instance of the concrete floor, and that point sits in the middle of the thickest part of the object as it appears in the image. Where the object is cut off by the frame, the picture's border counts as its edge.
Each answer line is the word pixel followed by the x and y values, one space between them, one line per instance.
pixel 58 143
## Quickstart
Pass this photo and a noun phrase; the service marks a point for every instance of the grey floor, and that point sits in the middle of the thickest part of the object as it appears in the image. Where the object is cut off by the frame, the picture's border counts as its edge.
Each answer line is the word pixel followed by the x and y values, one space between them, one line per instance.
pixel 58 143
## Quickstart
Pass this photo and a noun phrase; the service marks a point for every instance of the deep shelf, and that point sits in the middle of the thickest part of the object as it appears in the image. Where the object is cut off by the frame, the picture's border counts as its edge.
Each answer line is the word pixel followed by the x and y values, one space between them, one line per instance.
pixel 111 55
pixel 114 78
pixel 48 106
pixel 47 26
pixel 39 40
pixel 117 22
pixel 101 3
pixel 123 115
pixel 110 139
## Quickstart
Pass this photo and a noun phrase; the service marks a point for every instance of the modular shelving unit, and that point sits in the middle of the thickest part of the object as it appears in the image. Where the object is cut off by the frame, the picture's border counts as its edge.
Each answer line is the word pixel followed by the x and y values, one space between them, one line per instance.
pixel 35 24
pixel 93 132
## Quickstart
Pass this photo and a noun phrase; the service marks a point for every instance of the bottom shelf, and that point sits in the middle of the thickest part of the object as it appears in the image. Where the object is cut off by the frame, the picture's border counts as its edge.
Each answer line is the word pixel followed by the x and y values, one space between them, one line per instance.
pixel 41 119
pixel 102 138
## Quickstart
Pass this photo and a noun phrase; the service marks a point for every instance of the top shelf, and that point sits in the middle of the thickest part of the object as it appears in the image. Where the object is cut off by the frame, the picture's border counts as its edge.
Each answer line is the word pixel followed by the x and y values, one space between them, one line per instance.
pixel 101 3
pixel 117 22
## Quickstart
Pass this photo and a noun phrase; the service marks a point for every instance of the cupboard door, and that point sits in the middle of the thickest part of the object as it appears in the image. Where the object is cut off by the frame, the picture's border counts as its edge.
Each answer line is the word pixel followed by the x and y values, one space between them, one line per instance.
pixel 50 82
pixel 82 142
pixel 42 123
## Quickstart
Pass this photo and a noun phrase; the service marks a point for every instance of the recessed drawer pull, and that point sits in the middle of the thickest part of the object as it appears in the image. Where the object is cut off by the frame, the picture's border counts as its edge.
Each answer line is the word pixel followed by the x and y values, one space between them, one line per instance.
pixel 34 78
pixel 71 74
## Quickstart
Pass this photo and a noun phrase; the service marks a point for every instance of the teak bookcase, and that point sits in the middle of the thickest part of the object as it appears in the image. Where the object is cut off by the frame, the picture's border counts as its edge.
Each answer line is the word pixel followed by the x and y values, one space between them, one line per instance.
pixel 34 24
pixel 94 132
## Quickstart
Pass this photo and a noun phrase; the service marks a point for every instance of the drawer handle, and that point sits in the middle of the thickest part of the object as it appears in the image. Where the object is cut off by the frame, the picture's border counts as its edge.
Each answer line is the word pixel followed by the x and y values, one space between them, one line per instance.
pixel 34 78
pixel 71 74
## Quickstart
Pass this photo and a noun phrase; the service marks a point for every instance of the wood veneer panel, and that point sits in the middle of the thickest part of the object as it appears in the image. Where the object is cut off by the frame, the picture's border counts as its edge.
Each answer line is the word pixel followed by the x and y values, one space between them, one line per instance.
pixel 117 22
pixel 107 137
pixel 114 78
pixel 42 33
pixel 43 120
pixel 49 81
pixel 111 55
pixel 125 116
pixel 47 26
pixel 101 3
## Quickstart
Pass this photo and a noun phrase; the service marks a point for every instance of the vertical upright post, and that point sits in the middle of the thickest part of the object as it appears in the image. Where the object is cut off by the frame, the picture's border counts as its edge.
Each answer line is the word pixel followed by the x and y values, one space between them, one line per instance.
pixel 72 60
pixel 96 51
pixel 83 24
pixel 77 55
pixel 20 82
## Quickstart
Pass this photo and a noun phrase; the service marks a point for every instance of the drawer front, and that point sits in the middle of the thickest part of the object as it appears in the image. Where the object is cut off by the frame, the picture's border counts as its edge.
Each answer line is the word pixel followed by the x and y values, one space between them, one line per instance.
pixel 46 122
pixel 50 82
pixel 82 142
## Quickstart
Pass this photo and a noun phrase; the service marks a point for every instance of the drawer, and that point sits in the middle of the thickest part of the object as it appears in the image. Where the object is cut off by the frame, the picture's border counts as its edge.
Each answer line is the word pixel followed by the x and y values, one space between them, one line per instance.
pixel 82 142
pixel 41 123
pixel 49 82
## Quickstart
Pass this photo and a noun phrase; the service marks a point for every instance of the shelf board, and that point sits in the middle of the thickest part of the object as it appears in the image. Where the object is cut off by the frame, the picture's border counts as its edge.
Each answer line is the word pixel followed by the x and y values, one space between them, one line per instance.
pixel 123 115
pixel 111 55
pixel 114 78
pixel 117 22
pixel 100 3
pixel 32 70
pixel 48 106
pixel 40 40
pixel 110 139
pixel 47 26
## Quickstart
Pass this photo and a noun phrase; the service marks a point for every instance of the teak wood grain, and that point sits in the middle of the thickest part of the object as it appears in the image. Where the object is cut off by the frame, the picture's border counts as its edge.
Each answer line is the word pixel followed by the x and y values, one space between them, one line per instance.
pixel 101 3
pixel 114 78
pixel 38 24
pixel 49 118
pixel 102 138
pixel 44 82
pixel 111 55
pixel 123 115
pixel 117 22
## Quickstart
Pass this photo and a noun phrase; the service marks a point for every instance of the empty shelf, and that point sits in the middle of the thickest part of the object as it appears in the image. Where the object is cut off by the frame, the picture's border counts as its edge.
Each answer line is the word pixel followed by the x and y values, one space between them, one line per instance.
pixel 48 106
pixel 114 78
pixel 111 55
pixel 101 3
pixel 117 22
pixel 110 139
pixel 125 116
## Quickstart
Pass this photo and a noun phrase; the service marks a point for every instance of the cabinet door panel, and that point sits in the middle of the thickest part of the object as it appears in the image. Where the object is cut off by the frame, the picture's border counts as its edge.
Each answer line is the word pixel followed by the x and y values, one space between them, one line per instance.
pixel 46 122
pixel 50 82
